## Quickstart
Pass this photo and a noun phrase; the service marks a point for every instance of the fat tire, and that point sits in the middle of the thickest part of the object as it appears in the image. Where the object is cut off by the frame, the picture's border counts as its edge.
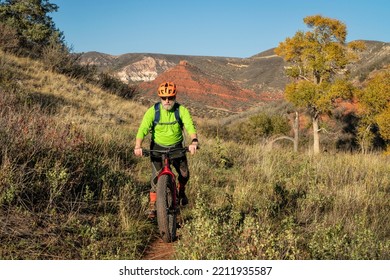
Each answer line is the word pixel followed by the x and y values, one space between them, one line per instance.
pixel 166 214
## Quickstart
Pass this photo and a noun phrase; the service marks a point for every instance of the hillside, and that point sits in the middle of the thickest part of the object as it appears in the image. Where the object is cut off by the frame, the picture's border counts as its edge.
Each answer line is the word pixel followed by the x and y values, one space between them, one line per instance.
pixel 375 57
pixel 203 93
pixel 146 67
pixel 65 164
pixel 262 73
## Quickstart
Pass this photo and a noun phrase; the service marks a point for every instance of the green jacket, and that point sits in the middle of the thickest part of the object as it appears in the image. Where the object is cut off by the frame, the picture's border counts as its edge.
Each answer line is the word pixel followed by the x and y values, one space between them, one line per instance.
pixel 166 134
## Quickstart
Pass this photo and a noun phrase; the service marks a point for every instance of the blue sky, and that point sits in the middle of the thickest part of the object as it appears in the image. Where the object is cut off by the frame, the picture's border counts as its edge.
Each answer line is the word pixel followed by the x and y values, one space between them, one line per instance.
pixel 207 27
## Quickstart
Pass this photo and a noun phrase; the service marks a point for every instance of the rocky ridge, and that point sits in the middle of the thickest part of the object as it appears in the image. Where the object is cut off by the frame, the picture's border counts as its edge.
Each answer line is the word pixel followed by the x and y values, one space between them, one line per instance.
pixel 223 84
pixel 203 91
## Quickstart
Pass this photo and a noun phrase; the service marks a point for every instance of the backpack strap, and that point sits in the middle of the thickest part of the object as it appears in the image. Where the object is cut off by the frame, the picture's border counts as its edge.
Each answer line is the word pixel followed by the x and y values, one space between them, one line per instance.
pixel 177 115
pixel 157 115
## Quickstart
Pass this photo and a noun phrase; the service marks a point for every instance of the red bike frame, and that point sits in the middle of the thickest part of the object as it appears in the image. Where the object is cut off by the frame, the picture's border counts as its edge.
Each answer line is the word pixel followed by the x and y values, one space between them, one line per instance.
pixel 166 170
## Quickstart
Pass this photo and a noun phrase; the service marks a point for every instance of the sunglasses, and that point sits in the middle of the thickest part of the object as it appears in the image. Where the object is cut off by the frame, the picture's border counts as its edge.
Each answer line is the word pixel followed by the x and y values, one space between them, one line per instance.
pixel 170 98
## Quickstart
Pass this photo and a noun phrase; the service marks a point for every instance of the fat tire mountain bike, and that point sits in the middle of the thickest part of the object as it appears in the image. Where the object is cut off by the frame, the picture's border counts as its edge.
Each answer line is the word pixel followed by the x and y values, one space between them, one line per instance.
pixel 167 192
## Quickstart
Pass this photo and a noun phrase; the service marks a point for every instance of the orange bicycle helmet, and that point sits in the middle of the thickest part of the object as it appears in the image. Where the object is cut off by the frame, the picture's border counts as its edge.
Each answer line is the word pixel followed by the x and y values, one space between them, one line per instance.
pixel 167 89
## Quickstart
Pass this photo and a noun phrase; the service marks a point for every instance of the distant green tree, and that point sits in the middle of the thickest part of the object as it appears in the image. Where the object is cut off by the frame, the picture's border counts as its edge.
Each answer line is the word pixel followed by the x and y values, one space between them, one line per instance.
pixel 30 19
pixel 317 61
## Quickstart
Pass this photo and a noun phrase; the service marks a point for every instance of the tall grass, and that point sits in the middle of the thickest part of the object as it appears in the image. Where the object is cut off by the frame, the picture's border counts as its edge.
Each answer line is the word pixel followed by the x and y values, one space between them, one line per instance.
pixel 281 205
pixel 66 185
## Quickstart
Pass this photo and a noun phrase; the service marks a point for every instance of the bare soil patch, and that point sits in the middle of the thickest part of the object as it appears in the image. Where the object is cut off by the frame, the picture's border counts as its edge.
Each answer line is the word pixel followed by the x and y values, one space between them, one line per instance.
pixel 159 250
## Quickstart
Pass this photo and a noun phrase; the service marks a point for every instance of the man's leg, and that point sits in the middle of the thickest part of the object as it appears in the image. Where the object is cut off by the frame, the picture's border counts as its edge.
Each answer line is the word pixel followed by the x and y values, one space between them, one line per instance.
pixel 156 166
pixel 181 166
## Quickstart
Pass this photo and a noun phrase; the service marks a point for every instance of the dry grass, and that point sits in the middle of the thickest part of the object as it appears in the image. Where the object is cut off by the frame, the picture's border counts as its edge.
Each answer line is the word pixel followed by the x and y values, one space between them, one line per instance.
pixel 66 162
pixel 295 206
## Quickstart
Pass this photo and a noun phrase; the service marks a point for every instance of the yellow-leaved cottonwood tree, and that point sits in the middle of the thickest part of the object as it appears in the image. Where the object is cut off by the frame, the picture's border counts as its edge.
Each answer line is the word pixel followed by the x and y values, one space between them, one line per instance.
pixel 317 64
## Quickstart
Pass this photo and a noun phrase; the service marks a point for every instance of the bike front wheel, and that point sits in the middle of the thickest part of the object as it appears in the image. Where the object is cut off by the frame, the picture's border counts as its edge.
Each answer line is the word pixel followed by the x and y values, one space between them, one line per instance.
pixel 166 212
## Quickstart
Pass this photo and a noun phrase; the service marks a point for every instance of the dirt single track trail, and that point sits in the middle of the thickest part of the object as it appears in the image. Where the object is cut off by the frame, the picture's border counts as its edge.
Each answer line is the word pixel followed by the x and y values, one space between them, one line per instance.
pixel 159 250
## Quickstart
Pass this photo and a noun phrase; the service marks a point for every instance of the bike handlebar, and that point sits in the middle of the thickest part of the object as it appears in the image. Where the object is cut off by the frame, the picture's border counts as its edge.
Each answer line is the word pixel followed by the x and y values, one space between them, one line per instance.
pixel 170 152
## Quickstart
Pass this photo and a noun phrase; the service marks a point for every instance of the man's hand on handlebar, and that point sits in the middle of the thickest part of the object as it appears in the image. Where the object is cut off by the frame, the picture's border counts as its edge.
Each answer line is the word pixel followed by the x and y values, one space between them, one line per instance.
pixel 192 148
pixel 138 152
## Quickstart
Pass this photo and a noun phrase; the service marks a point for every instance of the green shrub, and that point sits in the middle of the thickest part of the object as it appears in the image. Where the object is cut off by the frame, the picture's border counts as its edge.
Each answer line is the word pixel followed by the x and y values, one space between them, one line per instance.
pixel 336 243
pixel 259 127
pixel 116 86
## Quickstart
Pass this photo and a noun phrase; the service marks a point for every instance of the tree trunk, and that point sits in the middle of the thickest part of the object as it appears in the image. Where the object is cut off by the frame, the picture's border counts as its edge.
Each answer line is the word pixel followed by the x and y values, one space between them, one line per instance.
pixel 316 136
pixel 296 131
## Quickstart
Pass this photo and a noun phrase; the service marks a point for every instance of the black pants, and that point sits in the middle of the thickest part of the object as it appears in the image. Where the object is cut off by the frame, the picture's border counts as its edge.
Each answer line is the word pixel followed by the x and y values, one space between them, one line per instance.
pixel 180 164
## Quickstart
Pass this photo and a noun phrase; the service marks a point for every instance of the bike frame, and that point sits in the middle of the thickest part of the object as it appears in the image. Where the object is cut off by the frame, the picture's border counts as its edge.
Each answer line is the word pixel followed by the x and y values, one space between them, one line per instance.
pixel 166 170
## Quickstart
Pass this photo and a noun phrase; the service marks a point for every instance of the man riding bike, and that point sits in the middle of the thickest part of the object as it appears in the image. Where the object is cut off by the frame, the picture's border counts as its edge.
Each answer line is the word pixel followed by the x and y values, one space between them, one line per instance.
pixel 166 132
